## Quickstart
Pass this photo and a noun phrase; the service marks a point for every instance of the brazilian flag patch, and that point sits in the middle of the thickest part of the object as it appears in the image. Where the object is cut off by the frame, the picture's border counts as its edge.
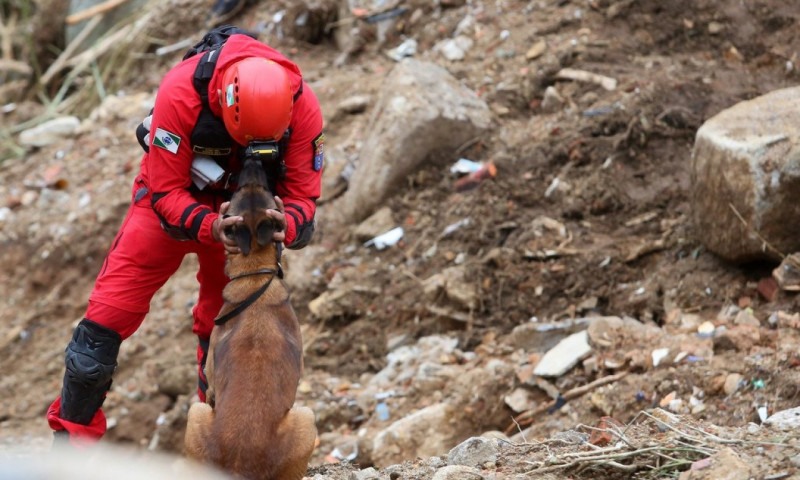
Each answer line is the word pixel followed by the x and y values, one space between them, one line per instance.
pixel 166 140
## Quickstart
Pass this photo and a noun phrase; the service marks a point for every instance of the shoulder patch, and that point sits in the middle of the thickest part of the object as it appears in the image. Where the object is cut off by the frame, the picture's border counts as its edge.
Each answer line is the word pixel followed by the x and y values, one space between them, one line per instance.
pixel 166 140
pixel 319 154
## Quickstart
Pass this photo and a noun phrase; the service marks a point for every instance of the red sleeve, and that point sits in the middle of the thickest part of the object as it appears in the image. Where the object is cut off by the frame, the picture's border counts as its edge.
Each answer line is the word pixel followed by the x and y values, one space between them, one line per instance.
pixel 169 161
pixel 304 157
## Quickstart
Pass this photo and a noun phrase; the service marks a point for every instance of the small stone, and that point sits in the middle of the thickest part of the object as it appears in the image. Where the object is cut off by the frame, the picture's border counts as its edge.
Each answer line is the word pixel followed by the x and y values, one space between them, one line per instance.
pixel 715 28
pixel 706 329
pixel 457 472
pixel 474 451
pixel 536 50
pixel 520 400
pixel 558 360
pixel 667 399
pixel 732 382
pixel 353 105
pixel 768 288
pixel 552 100
pixel 785 419
pixel 658 355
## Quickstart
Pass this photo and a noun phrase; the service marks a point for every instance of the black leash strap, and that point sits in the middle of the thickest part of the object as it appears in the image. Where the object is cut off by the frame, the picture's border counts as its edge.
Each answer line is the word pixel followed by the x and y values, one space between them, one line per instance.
pixel 247 301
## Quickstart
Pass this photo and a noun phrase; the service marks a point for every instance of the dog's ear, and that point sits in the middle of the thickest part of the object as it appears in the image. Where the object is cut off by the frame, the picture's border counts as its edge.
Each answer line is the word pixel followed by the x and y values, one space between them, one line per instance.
pixel 264 232
pixel 242 235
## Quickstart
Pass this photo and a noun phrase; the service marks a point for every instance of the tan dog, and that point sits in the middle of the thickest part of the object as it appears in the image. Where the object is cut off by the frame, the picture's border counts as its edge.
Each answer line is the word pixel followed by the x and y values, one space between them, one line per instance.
pixel 248 425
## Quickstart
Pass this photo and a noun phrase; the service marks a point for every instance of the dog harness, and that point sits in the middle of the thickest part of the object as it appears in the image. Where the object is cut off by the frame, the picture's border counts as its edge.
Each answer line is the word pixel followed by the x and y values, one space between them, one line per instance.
pixel 221 320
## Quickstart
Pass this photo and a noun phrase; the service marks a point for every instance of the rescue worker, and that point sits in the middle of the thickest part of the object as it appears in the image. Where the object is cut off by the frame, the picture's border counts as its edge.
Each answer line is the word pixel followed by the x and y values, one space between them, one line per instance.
pixel 218 105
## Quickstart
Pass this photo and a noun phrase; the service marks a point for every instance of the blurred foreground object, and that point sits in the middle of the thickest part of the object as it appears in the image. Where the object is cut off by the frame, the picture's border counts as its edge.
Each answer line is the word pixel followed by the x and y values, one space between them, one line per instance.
pixel 101 462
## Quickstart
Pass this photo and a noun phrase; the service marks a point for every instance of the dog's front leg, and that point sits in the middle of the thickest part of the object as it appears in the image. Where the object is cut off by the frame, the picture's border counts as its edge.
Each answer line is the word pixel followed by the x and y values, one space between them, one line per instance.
pixel 198 431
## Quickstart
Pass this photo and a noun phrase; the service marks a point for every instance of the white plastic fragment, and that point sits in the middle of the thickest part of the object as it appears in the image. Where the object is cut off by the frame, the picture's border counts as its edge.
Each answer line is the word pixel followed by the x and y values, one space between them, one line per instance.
pixel 387 239
pixel 658 355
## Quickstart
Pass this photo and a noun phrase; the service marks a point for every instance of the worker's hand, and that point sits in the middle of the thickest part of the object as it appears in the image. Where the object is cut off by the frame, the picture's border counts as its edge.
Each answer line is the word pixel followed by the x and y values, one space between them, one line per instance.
pixel 280 218
pixel 223 223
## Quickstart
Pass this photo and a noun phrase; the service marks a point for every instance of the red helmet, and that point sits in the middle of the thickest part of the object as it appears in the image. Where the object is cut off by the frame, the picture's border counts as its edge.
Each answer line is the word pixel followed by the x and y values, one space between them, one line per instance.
pixel 256 100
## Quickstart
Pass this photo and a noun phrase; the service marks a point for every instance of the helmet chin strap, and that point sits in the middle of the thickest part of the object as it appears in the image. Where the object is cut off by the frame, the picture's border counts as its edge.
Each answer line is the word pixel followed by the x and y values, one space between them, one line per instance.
pixel 264 151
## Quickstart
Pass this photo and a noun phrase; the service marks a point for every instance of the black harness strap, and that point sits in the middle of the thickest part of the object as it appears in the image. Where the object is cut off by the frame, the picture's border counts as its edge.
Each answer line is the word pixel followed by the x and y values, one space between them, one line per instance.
pixel 251 298
pixel 203 73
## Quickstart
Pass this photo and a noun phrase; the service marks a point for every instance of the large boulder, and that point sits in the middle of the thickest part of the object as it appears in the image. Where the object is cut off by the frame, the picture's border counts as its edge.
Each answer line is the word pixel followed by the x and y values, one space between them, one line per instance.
pixel 422 110
pixel 745 177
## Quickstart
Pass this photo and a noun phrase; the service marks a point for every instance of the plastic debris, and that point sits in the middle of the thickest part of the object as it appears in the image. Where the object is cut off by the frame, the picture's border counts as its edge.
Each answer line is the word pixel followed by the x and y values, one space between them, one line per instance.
pixel 382 410
pixel 552 188
pixel 345 452
pixel 465 166
pixel 406 49
pixel 560 402
pixel 455 226
pixel 659 355
pixel 381 16
pixel 762 413
pixel 758 384
pixel 387 239
pixel 487 170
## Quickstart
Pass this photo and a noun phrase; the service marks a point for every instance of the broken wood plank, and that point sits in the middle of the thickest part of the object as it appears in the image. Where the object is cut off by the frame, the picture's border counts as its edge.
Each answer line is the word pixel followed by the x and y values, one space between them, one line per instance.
pixel 90 12
pixel 583 76
pixel 60 62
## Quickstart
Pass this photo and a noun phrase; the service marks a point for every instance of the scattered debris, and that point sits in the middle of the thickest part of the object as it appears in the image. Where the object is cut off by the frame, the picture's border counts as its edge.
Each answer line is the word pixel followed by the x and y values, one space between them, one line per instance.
pixel 559 359
pixel 387 239
pixel 787 274
pixel 487 170
pixel 607 83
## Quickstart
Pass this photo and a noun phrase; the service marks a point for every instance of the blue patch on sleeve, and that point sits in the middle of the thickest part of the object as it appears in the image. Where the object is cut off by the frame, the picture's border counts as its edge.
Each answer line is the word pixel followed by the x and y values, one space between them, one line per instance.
pixel 319 154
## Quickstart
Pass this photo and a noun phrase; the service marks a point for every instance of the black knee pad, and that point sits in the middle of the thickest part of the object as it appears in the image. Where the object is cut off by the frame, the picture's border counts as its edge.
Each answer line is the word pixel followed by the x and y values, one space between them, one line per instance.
pixel 91 358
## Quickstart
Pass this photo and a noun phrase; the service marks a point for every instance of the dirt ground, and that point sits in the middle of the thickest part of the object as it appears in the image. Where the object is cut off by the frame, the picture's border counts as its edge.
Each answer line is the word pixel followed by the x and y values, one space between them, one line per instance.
pixel 608 169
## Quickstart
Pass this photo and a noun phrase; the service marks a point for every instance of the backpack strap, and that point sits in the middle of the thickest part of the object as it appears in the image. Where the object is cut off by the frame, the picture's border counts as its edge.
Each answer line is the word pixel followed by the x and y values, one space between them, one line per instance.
pixel 210 45
pixel 215 38
pixel 203 73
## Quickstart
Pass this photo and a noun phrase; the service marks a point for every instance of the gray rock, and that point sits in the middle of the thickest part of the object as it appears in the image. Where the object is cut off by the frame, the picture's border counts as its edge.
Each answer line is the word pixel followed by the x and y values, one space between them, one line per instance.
pixel 424 433
pixel 353 105
pixel 558 360
pixel 50 132
pixel 379 222
pixel 456 285
pixel 474 452
pixel 746 163
pixel 366 474
pixel 457 472
pixel 420 110
pixel 785 419
pixel 540 337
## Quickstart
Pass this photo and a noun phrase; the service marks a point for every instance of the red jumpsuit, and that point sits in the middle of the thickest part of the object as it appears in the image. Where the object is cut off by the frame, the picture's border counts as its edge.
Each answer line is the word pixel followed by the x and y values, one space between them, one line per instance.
pixel 143 256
